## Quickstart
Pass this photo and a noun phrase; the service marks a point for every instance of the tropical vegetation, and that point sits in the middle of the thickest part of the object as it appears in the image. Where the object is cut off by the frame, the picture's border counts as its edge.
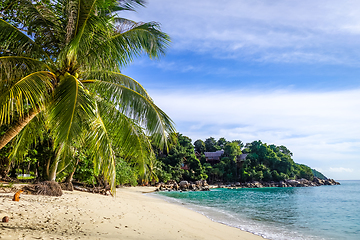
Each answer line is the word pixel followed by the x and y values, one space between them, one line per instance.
pixel 63 95
pixel 262 162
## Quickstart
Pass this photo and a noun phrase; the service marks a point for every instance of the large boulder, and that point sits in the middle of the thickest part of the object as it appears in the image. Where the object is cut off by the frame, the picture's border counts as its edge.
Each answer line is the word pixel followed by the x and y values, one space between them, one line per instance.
pixel 292 183
pixel 184 185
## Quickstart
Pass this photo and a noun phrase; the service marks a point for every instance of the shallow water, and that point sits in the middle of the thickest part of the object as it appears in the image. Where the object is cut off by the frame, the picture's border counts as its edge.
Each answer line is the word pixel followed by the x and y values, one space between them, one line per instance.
pixel 326 212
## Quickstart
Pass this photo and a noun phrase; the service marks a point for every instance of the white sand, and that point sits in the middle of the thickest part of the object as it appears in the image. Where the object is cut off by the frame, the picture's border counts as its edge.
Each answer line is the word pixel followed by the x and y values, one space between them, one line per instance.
pixel 131 215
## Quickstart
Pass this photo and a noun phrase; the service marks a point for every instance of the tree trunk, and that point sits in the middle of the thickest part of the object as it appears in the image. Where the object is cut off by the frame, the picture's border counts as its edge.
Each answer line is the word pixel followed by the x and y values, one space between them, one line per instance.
pixel 47 169
pixel 53 170
pixel 17 127
pixel 70 176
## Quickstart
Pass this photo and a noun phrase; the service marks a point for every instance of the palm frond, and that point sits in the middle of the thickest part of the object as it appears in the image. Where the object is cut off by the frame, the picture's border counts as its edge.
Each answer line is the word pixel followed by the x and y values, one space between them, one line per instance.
pixel 128 42
pixel 29 137
pixel 137 107
pixel 129 5
pixel 29 92
pixel 95 29
pixel 44 25
pixel 70 111
pixel 118 78
pixel 100 144
pixel 15 67
pixel 85 8
pixel 14 42
pixel 126 136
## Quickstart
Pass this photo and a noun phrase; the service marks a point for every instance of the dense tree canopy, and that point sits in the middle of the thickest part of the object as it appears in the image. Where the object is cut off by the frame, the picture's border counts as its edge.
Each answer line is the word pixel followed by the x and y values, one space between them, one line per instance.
pixel 181 162
pixel 211 145
pixel 272 163
pixel 199 146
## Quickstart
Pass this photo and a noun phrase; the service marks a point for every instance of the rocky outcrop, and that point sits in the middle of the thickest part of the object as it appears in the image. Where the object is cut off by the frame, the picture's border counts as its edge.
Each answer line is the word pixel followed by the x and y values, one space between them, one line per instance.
pixel 287 183
pixel 183 186
pixel 203 186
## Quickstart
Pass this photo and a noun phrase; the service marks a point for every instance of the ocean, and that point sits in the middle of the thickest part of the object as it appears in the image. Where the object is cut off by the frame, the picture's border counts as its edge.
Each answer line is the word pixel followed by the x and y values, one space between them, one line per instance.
pixel 325 212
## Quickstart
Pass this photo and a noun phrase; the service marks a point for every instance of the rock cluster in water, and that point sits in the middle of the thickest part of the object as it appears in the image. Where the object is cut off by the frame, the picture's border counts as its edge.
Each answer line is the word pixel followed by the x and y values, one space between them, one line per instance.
pixel 203 186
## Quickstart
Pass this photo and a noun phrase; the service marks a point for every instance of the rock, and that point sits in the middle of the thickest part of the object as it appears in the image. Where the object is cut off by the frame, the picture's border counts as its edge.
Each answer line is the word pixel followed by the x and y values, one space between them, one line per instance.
pixel 199 183
pixel 282 184
pixel 205 188
pixel 184 185
pixel 5 219
pixel 318 181
pixel 291 182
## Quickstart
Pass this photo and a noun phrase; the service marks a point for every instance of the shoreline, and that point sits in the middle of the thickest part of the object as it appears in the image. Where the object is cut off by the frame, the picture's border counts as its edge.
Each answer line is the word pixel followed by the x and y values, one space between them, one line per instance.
pixel 129 215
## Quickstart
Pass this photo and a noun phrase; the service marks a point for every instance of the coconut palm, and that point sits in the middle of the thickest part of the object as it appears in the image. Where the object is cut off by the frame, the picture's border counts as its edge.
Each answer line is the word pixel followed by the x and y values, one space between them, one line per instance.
pixel 60 73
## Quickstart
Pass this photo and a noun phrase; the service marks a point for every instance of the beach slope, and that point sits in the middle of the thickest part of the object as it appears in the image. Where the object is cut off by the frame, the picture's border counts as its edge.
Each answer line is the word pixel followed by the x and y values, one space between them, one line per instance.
pixel 130 215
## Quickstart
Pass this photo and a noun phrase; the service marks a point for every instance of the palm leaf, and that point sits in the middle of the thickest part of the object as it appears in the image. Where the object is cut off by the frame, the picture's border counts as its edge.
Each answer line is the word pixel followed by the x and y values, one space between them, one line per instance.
pixel 85 8
pixel 137 107
pixel 28 92
pixel 44 24
pixel 128 42
pixel 15 67
pixel 99 143
pixel 126 136
pixel 118 78
pixel 70 112
pixel 29 137
pixel 15 42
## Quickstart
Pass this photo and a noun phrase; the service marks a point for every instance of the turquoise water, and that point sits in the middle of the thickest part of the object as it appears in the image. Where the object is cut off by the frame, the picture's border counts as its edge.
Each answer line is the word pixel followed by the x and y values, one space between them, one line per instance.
pixel 326 212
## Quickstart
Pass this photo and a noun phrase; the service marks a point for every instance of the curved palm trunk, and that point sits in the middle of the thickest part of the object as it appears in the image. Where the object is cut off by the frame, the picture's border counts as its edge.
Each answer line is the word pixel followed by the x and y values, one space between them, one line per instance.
pixel 17 127
pixel 53 171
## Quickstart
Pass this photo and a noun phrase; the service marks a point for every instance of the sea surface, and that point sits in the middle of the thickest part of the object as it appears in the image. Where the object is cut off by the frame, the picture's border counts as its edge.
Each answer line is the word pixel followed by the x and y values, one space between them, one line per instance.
pixel 325 212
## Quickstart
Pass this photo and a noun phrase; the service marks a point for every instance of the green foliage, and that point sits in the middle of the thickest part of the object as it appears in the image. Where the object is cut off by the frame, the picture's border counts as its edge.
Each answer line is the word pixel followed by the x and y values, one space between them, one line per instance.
pixel 211 145
pixel 125 174
pixel 225 170
pixel 272 163
pixel 85 171
pixel 232 150
pixel 318 174
pixel 199 146
pixel 181 163
pixel 221 142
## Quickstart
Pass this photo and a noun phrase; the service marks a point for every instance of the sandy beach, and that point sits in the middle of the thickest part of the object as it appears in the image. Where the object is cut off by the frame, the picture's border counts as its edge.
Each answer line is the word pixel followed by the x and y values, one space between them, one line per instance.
pixel 129 215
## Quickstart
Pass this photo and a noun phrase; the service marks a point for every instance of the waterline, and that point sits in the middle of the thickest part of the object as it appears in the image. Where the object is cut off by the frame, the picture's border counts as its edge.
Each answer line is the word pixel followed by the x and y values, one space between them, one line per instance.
pixel 326 212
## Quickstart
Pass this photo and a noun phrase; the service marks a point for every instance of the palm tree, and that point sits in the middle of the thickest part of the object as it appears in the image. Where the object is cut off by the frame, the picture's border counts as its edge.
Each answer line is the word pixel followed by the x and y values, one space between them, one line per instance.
pixel 60 73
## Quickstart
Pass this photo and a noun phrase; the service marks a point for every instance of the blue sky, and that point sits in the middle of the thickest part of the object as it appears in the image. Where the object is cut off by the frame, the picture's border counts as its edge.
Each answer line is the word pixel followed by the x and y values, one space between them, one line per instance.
pixel 284 72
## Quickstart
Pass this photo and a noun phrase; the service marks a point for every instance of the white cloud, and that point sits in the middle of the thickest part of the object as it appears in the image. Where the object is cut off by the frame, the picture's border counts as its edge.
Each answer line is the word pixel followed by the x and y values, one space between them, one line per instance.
pixel 290 31
pixel 321 129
